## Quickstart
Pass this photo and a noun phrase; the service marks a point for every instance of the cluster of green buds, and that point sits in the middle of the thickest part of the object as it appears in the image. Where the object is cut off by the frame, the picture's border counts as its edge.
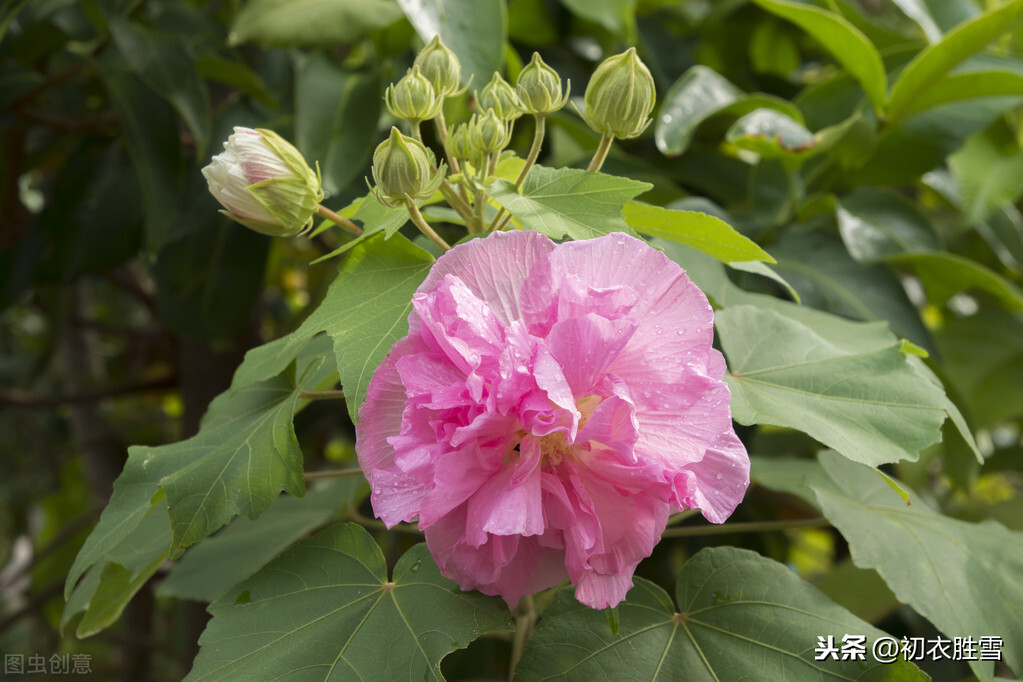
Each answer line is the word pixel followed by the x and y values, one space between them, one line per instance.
pixel 265 184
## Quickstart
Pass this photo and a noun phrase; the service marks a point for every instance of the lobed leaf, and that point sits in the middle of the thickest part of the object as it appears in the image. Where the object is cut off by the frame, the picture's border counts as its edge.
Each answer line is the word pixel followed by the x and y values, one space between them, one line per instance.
pixel 740 616
pixel 364 312
pixel 568 202
pixel 325 610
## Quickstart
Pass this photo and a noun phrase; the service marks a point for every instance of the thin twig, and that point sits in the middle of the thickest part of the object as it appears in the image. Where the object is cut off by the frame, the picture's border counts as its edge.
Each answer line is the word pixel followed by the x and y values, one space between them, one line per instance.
pixel 332 473
pixel 746 527
pixel 322 395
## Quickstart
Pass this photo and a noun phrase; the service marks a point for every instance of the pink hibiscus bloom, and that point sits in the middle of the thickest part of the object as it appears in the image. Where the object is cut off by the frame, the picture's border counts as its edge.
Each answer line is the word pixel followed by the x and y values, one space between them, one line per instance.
pixel 549 408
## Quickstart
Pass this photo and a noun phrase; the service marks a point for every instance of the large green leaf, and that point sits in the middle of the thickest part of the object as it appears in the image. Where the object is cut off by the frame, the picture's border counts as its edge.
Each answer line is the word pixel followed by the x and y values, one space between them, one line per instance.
pixel 569 202
pixel 364 312
pixel 844 41
pixel 740 617
pixel 212 567
pixel 336 113
pixel 853 390
pixel 818 266
pixel 699 94
pixel 701 231
pixel 308 23
pixel 989 172
pixel 325 610
pixel 875 223
pixel 244 454
pixel 475 30
pixel 963 577
pixel 931 65
pixel 166 64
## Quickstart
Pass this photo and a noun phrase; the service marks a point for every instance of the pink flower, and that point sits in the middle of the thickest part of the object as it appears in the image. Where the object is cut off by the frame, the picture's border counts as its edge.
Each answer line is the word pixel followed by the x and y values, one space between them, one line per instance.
pixel 550 407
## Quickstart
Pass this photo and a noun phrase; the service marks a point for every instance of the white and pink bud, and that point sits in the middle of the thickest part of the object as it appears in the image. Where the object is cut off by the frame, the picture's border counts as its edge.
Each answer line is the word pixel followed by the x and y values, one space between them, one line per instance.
pixel 264 183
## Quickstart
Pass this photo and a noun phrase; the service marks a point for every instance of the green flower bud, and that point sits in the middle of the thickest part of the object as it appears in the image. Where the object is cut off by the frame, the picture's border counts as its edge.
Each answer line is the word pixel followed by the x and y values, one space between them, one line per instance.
pixel 413 98
pixel 402 170
pixel 620 96
pixel 500 96
pixel 460 144
pixel 264 183
pixel 539 88
pixel 441 67
pixel 489 133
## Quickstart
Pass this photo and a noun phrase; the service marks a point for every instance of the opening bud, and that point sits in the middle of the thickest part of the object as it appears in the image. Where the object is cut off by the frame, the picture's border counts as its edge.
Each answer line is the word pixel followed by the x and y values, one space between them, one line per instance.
pixel 539 88
pixel 500 96
pixel 413 98
pixel 441 67
pixel 489 133
pixel 620 96
pixel 460 144
pixel 402 170
pixel 264 183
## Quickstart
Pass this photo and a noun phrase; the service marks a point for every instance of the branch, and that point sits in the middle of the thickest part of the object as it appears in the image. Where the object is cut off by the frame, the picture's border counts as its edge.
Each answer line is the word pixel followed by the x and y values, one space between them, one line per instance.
pixel 746 527
pixel 16 398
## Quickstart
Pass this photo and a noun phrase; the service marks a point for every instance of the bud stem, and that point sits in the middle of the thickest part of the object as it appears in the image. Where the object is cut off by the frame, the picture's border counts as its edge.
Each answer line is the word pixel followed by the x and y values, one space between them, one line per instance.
pixel 534 151
pixel 424 227
pixel 598 156
pixel 343 223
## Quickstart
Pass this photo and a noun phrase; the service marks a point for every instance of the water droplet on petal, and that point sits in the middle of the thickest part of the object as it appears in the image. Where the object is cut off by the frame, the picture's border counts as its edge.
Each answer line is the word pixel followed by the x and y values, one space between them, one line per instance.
pixel 718 476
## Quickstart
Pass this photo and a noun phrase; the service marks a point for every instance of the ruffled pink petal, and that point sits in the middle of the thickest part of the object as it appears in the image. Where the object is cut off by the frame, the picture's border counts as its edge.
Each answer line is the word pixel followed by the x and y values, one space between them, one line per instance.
pixel 494 269
pixel 396 495
pixel 716 484
pixel 508 566
pixel 585 347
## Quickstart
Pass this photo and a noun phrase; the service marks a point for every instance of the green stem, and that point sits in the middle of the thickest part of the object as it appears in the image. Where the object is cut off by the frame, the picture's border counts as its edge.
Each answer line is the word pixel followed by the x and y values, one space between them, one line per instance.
pixel 502 217
pixel 534 151
pixel 457 203
pixel 748 527
pixel 321 395
pixel 525 621
pixel 598 156
pixel 424 226
pixel 333 473
pixel 343 223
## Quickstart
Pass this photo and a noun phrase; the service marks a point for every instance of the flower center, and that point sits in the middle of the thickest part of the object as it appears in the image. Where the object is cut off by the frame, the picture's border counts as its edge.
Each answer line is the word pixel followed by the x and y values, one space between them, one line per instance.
pixel 555 446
